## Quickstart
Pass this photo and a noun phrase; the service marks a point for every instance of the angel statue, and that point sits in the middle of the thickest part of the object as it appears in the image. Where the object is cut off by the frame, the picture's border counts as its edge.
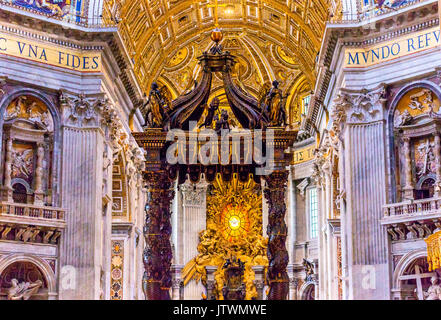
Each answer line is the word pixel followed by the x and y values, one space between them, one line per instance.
pixel 22 163
pixel 158 107
pixel 309 269
pixel 272 104
pixel 214 106
pixel 23 290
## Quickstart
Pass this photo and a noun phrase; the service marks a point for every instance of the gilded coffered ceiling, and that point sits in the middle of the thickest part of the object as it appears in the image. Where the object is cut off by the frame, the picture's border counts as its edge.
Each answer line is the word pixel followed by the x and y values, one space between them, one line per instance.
pixel 272 39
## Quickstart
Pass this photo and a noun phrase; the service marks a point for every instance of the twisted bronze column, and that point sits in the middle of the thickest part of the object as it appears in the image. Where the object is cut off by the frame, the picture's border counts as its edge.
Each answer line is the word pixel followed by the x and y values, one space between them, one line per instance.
pixel 157 232
pixel 277 276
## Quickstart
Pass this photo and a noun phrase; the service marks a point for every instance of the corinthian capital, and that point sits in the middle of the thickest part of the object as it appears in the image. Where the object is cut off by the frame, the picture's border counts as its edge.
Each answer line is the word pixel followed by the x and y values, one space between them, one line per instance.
pixel 193 194
pixel 81 110
pixel 358 106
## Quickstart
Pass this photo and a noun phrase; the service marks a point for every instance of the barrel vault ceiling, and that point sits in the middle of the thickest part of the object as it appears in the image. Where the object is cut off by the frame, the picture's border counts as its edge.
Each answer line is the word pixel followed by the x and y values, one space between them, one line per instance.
pixel 272 39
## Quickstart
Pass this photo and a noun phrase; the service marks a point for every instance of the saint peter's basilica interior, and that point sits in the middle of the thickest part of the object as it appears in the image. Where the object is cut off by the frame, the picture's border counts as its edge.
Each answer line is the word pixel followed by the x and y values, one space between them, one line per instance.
pixel 125 164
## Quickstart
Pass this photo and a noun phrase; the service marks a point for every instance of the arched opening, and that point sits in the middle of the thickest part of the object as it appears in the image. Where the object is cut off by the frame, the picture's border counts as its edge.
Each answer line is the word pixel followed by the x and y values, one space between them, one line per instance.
pixel 425 188
pixel 415 279
pixel 19 193
pixel 23 280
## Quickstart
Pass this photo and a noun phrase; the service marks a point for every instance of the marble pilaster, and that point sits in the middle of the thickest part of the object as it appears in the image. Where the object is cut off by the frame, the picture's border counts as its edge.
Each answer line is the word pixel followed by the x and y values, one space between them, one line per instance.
pixel 192 222
pixel 437 152
pixel 7 188
pixel 86 242
pixel 39 194
pixel 81 181
pixel 365 168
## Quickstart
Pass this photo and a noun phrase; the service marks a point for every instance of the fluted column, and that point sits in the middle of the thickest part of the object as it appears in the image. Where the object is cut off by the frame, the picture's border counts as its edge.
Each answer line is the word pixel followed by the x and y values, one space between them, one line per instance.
pixel 438 164
pixel 408 188
pixel 85 134
pixel 39 194
pixel 8 171
pixel 277 277
pixel 366 193
pixel 325 229
pixel 194 221
pixel 82 179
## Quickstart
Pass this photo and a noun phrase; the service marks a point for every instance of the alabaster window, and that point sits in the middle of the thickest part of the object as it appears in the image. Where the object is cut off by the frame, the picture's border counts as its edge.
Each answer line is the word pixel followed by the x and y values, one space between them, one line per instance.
pixel 305 104
pixel 417 123
pixel 313 213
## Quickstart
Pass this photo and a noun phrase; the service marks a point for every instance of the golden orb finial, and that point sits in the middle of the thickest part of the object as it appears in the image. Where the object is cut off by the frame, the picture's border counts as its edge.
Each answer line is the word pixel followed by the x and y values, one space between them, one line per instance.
pixel 216 35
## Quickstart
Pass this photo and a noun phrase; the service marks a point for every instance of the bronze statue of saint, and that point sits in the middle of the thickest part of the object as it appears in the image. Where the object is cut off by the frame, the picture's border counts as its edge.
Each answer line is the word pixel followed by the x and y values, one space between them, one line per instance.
pixel 214 106
pixel 272 104
pixel 158 107
pixel 222 123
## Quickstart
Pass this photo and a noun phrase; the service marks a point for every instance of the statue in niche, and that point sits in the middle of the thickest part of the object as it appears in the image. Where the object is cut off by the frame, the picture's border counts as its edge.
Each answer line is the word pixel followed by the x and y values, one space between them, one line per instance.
pixel 214 106
pixel 309 269
pixel 434 291
pixel 426 158
pixel 272 104
pixel 158 107
pixel 23 290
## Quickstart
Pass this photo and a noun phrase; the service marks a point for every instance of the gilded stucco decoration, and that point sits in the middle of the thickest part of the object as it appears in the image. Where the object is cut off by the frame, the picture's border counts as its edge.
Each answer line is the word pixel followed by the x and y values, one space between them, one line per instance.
pixel 272 40
pixel 234 230
pixel 416 106
pixel 434 250
pixel 32 110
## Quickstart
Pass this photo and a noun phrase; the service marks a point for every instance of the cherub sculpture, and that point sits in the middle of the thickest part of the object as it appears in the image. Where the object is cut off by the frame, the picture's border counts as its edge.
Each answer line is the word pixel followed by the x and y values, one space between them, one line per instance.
pixel 309 269
pixel 214 106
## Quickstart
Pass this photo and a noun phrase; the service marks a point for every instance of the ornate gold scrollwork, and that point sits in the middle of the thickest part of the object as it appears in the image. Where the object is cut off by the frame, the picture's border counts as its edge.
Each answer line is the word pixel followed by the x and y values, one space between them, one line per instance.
pixel 434 251
pixel 234 228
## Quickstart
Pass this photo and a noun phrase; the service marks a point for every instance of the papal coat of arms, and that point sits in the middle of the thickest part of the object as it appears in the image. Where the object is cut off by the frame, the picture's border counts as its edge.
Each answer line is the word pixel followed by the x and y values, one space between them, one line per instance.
pixel 50 7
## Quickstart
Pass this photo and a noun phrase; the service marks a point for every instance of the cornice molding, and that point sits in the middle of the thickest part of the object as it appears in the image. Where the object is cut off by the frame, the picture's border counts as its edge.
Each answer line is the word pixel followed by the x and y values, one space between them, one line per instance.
pixel 342 35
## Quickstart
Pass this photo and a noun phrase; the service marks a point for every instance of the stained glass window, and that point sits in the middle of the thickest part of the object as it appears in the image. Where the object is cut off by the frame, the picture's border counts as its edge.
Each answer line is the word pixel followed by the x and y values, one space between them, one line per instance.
pixel 235 223
pixel 313 213
pixel 305 104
